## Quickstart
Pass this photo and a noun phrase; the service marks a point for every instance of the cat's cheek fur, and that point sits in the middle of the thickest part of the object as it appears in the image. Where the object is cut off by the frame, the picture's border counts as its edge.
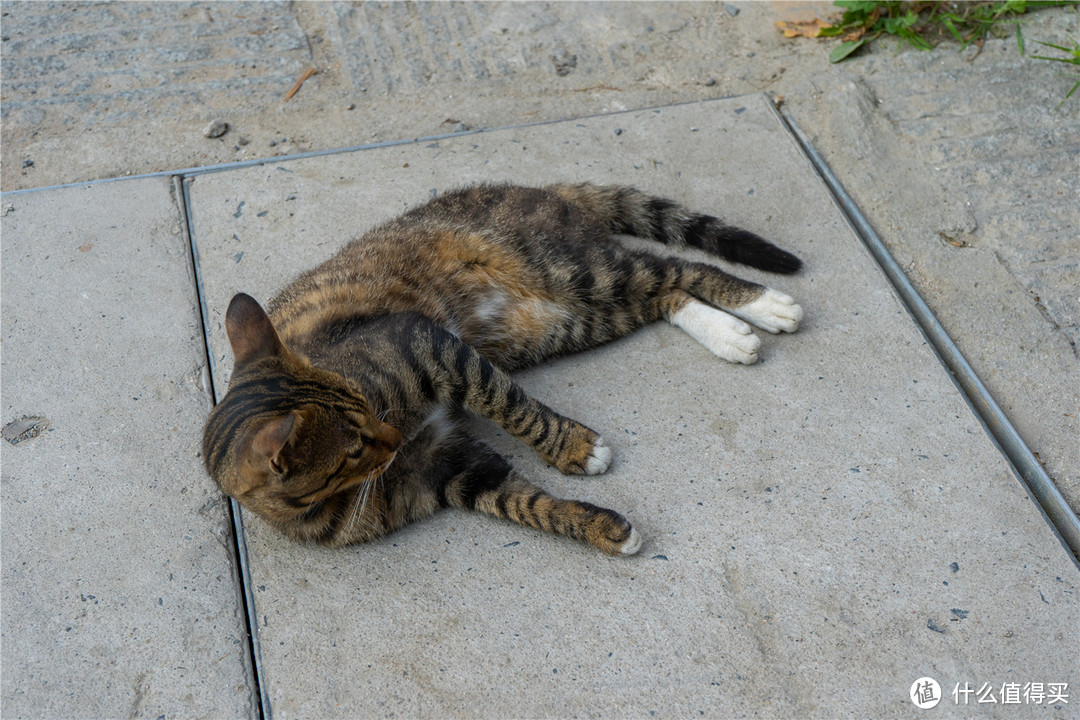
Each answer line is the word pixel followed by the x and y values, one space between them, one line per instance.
pixel 723 335
pixel 773 312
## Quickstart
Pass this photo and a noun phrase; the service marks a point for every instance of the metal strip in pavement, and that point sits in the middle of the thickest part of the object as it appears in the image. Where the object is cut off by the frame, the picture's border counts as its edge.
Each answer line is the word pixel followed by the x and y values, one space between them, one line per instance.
pixel 242 565
pixel 1027 467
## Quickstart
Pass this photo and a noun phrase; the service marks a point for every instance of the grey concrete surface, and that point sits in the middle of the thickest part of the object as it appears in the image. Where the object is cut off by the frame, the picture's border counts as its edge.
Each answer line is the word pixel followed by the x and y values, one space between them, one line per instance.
pixel 119 593
pixel 973 186
pixel 962 161
pixel 821 529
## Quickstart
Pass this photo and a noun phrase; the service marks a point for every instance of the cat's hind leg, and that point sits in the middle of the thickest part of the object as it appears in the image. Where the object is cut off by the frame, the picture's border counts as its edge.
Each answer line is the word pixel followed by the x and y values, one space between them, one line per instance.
pixel 768 309
pixel 773 311
pixel 489 484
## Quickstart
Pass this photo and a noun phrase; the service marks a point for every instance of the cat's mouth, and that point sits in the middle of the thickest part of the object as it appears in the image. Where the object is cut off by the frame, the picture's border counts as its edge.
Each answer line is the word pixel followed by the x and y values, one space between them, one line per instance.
pixel 369 476
pixel 385 466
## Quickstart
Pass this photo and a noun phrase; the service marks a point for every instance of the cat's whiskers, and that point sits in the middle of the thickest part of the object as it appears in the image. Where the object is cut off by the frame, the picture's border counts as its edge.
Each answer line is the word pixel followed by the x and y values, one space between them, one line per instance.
pixel 382 415
pixel 360 504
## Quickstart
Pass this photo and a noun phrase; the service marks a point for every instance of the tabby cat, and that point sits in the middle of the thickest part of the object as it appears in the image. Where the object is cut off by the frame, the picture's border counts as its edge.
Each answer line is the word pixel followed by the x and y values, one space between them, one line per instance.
pixel 343 418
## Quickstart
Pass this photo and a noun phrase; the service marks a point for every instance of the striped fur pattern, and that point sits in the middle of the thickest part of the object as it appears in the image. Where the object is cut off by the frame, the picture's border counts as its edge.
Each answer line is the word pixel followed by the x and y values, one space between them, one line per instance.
pixel 342 421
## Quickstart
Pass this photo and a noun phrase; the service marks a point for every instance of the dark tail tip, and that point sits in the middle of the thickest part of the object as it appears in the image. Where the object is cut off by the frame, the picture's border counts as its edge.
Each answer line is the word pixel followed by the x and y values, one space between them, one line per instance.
pixel 749 249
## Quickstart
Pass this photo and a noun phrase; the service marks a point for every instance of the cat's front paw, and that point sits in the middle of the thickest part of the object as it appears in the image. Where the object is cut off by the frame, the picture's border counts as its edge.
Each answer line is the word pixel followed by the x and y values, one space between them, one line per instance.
pixel 599 459
pixel 773 312
pixel 583 453
pixel 609 531
pixel 632 544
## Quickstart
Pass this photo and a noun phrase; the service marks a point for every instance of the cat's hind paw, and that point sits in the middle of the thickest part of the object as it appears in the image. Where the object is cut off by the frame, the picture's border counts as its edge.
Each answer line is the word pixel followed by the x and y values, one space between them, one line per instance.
pixel 724 335
pixel 773 312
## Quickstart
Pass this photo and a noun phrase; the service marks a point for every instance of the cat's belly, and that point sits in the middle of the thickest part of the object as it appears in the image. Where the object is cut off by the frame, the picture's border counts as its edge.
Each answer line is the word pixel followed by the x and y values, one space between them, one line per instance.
pixel 530 316
pixel 502 324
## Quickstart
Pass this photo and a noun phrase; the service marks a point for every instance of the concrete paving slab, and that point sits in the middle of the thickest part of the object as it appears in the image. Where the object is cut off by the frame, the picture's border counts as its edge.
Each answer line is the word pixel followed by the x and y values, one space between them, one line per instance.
pixel 119 594
pixel 821 530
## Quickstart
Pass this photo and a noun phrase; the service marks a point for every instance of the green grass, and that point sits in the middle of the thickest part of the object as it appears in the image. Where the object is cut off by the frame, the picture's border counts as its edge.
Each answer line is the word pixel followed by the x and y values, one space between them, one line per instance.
pixel 1072 57
pixel 923 25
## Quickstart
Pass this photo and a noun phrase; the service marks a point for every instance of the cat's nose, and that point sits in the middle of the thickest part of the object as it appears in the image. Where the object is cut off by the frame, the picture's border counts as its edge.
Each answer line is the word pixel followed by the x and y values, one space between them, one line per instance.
pixel 389 437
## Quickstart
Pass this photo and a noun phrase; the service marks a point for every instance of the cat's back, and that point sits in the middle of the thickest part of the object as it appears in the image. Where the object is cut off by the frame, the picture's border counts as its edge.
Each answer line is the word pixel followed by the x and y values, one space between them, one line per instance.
pixel 440 259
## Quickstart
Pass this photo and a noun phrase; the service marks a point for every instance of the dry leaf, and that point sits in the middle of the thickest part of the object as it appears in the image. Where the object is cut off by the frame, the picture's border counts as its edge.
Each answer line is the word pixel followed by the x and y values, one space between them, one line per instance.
pixel 303 76
pixel 853 35
pixel 802 28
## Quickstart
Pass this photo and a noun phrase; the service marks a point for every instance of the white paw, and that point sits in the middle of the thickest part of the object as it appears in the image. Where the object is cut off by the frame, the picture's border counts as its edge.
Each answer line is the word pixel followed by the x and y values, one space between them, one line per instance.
pixel 632 544
pixel 599 458
pixel 773 311
pixel 722 334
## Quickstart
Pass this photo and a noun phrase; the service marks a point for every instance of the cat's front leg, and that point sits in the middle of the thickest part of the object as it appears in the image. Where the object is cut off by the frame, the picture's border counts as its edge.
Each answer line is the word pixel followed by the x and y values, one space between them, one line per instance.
pixel 463 377
pixel 488 484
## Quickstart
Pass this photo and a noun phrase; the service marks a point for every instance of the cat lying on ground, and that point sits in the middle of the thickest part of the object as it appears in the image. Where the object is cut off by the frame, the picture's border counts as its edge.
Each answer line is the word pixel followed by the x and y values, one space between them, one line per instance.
pixel 343 418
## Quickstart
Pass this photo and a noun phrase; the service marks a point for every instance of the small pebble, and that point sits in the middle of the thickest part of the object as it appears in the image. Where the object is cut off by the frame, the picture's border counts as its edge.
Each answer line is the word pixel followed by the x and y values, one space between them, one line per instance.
pixel 25 428
pixel 350 106
pixel 215 129
pixel 618 131
pixel 27 163
pixel 242 141
pixel 731 9
pixel 710 82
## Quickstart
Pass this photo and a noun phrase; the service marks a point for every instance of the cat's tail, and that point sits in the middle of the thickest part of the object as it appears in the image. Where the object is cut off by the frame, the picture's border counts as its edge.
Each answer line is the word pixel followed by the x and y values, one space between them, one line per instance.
pixel 629 211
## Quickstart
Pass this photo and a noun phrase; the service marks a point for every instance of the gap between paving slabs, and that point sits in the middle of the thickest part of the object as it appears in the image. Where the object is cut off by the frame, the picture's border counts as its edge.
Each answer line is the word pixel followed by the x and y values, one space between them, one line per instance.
pixel 181 185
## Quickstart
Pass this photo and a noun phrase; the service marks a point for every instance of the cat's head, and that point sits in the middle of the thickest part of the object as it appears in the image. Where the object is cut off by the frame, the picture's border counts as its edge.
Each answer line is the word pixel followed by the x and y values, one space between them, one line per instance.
pixel 288 435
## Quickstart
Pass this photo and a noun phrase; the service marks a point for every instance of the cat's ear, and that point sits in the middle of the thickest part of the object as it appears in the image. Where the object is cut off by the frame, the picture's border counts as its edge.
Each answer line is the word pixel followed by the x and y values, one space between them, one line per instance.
pixel 251 334
pixel 271 439
pixel 265 454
